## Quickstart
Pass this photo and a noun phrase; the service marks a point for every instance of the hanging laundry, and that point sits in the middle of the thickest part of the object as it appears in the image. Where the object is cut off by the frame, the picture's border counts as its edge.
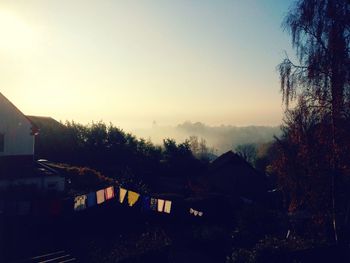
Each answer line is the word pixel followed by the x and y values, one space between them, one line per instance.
pixel 146 203
pixel 167 206
pixel 196 212
pixel 160 205
pixel 153 204
pixel 100 196
pixel 91 199
pixel 23 208
pixel 109 192
pixel 132 197
pixel 122 194
pixel 80 202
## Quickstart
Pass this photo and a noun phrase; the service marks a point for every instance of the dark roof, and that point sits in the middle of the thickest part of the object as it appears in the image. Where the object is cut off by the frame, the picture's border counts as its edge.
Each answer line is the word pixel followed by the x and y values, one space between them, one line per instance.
pixel 232 159
pixel 35 128
pixel 45 122
pixel 26 169
pixel 230 173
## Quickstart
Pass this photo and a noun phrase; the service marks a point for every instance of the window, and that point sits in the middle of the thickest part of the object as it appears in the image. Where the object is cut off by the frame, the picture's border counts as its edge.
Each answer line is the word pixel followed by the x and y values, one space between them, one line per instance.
pixel 2 142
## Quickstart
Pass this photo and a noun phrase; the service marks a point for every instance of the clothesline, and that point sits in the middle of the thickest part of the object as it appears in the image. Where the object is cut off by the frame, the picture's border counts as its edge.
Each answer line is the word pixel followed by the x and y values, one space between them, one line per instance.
pixel 89 200
pixel 130 197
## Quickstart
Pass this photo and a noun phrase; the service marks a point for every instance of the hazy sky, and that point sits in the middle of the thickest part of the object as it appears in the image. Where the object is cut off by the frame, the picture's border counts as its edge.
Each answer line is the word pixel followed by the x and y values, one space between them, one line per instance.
pixel 133 62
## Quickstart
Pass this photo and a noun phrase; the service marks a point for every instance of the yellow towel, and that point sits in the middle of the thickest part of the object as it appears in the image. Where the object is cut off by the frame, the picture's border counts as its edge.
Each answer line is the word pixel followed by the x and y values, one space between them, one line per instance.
pixel 122 193
pixel 160 205
pixel 132 197
pixel 167 206
pixel 100 195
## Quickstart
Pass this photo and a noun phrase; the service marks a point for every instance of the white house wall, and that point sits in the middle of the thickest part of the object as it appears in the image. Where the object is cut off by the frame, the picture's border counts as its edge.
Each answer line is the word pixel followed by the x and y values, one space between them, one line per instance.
pixel 17 130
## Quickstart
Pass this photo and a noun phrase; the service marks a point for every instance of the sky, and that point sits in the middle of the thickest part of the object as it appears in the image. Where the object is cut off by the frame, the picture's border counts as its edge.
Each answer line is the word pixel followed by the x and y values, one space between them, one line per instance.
pixel 133 63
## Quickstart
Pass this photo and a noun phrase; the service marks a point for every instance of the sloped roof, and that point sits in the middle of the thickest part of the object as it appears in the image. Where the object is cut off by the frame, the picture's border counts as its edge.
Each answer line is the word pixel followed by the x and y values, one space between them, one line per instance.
pixel 45 122
pixel 230 173
pixel 230 159
pixel 35 128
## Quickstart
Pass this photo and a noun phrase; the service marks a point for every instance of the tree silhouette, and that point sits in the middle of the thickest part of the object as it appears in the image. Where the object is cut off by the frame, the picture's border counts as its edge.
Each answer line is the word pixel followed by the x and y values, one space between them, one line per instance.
pixel 320 31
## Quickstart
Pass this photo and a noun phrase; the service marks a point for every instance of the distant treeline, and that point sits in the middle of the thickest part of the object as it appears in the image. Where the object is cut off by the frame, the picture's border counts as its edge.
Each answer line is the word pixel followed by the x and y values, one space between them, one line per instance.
pixel 221 138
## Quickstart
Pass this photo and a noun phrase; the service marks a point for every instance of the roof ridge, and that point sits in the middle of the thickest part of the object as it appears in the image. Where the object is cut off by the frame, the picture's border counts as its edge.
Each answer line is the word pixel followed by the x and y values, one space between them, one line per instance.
pixel 35 129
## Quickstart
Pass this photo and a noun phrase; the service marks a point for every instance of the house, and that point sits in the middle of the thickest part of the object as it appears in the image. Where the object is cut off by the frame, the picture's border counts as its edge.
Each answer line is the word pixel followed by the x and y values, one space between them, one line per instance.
pixel 17 164
pixel 17 132
pixel 230 174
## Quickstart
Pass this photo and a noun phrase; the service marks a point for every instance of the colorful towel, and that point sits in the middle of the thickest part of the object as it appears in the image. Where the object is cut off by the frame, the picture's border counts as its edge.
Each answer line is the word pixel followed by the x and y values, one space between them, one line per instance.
pixel 160 205
pixel 146 203
pixel 132 197
pixel 167 206
pixel 122 194
pixel 153 204
pixel 196 212
pixel 109 192
pixel 80 202
pixel 100 196
pixel 91 199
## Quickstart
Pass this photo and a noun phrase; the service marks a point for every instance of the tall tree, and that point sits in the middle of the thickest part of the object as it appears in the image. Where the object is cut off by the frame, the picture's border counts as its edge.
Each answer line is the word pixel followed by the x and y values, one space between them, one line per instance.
pixel 320 31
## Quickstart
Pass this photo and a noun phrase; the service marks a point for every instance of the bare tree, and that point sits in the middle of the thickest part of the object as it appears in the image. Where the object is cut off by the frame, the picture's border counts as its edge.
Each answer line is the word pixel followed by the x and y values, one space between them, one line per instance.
pixel 320 31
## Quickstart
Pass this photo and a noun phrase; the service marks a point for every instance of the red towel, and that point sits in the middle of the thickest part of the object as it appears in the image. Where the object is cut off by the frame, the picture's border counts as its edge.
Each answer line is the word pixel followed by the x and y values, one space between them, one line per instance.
pixel 109 192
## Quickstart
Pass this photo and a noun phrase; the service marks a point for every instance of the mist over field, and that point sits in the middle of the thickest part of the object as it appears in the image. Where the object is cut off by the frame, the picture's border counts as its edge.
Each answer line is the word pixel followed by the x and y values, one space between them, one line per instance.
pixel 222 138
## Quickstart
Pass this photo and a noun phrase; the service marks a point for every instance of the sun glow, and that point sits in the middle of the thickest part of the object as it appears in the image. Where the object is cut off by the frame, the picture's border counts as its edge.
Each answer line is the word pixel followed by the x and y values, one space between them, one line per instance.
pixel 132 63
pixel 14 32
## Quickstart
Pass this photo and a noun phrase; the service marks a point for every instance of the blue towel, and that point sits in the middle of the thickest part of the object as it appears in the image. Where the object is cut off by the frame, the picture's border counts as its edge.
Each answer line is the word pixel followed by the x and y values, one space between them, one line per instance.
pixel 91 199
pixel 146 205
